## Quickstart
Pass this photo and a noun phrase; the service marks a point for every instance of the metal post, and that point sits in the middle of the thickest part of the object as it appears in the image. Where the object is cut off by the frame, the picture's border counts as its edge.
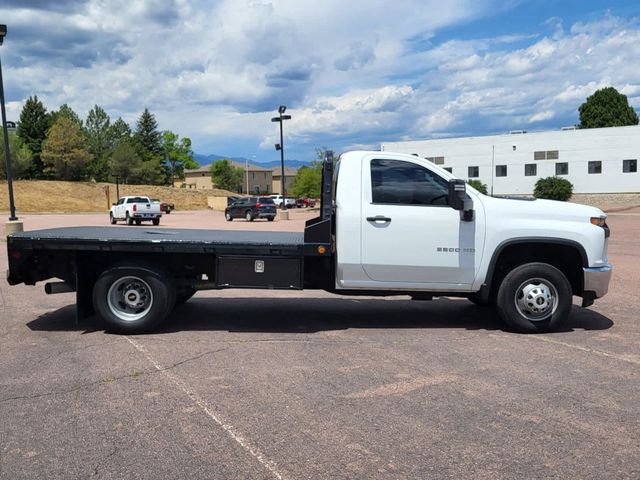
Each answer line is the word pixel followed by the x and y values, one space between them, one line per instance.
pixel 284 189
pixel 7 154
pixel 117 188
pixel 246 172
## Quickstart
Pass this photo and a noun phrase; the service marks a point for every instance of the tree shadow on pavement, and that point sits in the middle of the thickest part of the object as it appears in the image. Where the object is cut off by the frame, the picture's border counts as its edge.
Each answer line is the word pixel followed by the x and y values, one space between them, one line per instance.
pixel 310 315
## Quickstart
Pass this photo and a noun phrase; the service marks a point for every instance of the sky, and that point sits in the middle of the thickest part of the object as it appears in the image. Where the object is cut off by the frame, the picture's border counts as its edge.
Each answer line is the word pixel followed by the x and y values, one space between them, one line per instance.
pixel 352 74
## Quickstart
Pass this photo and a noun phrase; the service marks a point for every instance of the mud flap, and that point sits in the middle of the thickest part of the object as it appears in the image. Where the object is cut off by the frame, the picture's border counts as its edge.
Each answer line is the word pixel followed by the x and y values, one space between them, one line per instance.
pixel 84 293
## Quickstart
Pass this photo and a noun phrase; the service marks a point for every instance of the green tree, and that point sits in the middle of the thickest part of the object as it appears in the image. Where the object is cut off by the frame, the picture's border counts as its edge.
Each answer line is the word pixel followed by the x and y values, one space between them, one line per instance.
pixel 64 111
pixel 148 139
pixel 99 142
pixel 308 181
pixel 178 155
pixel 553 188
pixel 607 108
pixel 478 185
pixel 149 172
pixel 119 131
pixel 125 161
pixel 227 176
pixel 32 129
pixel 20 156
pixel 64 152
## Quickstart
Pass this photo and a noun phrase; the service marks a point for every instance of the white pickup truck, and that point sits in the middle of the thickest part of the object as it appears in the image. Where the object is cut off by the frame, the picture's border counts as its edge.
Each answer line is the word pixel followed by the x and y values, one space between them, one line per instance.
pixel 135 210
pixel 289 202
pixel 389 224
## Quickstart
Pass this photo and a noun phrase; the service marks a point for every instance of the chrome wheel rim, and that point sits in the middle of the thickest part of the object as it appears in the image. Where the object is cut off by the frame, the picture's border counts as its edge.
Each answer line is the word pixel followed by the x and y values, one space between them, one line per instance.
pixel 130 298
pixel 536 299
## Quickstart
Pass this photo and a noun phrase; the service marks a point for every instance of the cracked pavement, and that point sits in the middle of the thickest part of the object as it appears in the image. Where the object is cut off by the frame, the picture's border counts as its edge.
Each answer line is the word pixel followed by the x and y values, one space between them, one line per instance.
pixel 265 384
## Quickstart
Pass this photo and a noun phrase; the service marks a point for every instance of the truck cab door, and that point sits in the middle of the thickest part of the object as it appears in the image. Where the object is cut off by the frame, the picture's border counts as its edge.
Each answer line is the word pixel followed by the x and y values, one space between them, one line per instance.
pixel 117 210
pixel 411 237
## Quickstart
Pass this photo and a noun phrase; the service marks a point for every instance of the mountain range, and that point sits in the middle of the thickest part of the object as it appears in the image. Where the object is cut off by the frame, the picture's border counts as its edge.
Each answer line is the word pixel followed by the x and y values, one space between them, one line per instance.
pixel 208 159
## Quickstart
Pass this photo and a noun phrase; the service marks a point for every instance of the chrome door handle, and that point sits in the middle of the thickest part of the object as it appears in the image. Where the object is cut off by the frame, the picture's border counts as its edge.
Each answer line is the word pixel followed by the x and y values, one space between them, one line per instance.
pixel 378 219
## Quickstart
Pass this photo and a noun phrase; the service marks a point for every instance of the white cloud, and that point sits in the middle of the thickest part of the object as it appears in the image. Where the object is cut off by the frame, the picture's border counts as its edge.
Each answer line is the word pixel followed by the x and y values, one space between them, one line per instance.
pixel 352 73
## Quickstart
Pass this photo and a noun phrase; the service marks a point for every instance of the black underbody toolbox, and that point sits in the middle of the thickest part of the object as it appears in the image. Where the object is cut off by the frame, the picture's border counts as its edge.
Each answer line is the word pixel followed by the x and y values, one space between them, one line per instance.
pixel 259 272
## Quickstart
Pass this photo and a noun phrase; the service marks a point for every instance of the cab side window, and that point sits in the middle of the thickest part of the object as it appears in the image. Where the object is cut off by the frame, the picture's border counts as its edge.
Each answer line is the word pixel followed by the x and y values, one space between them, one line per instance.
pixel 398 182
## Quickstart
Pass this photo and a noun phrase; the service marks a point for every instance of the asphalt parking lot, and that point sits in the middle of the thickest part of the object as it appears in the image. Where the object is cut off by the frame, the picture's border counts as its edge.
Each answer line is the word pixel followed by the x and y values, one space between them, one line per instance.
pixel 245 384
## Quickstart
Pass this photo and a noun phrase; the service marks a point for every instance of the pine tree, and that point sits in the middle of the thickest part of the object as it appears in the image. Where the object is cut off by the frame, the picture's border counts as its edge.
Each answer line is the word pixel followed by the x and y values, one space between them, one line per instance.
pixel 98 130
pixel 65 111
pixel 148 139
pixel 119 131
pixel 32 130
pixel 125 162
pixel 64 152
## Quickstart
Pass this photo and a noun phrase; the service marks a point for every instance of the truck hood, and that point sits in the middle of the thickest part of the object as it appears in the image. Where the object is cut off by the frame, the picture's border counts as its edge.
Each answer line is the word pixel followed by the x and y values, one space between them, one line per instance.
pixel 550 209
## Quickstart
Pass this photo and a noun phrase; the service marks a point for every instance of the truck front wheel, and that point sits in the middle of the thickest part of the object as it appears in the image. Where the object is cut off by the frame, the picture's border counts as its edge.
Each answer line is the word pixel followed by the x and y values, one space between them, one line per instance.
pixel 534 298
pixel 133 299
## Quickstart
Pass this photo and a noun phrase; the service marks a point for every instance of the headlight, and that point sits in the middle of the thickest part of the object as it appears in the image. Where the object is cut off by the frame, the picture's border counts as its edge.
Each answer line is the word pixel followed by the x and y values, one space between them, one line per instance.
pixel 602 223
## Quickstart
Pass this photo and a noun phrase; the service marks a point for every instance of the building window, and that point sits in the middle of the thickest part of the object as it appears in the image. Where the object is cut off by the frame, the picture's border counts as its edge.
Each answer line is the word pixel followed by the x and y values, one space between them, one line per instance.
pixel 562 168
pixel 474 172
pixel 595 167
pixel 629 166
pixel 449 169
pixel 546 155
pixel 436 160
pixel 397 182
pixel 530 170
pixel 501 170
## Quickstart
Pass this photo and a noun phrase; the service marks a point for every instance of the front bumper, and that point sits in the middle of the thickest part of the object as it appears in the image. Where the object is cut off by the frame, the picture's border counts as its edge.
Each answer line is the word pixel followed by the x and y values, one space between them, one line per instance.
pixel 596 281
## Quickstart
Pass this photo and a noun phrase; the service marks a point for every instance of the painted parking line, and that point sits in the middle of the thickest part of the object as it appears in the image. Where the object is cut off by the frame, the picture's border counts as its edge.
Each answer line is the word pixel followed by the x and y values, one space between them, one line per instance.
pixel 253 450
pixel 623 358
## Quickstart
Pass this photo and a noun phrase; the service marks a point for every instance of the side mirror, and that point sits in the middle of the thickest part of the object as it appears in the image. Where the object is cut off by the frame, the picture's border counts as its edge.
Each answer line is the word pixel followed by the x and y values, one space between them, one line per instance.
pixel 459 200
pixel 113 204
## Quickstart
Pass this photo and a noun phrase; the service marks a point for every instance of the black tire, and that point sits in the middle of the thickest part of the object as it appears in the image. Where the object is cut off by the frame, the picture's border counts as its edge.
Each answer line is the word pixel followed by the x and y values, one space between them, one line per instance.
pixel 228 217
pixel 270 218
pixel 151 297
pixel 128 219
pixel 138 222
pixel 248 216
pixel 156 221
pixel 534 298
pixel 183 296
pixel 112 220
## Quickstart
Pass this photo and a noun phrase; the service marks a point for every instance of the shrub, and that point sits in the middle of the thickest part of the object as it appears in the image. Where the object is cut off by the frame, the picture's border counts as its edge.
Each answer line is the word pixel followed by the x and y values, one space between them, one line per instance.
pixel 478 185
pixel 553 188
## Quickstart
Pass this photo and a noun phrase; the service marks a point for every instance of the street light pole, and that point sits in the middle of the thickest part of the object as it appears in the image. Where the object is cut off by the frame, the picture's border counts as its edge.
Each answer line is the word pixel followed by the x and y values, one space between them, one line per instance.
pixel 280 146
pixel 5 132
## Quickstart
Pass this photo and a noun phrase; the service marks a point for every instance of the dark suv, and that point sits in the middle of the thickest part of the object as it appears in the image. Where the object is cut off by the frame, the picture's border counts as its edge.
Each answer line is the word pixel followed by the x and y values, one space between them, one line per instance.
pixel 251 208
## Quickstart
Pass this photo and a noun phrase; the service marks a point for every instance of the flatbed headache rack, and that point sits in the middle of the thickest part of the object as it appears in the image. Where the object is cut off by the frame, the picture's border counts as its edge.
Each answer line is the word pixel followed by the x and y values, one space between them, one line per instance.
pixel 199 259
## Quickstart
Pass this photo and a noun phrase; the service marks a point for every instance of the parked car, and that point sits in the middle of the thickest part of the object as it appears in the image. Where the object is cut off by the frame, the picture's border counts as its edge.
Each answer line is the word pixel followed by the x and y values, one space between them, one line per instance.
pixel 165 207
pixel 135 210
pixel 305 203
pixel 251 208
pixel 290 202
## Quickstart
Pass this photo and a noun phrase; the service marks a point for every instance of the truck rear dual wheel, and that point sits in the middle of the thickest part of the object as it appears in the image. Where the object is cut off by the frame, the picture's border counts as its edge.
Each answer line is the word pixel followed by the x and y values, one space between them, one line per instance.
pixel 133 299
pixel 534 298
pixel 128 219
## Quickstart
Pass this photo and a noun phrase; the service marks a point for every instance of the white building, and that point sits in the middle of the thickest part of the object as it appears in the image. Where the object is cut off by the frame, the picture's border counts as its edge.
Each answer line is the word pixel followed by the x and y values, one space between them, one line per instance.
pixel 598 160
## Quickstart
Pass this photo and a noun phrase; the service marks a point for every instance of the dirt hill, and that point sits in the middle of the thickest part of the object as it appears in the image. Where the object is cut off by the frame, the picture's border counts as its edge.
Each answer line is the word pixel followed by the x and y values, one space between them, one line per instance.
pixel 73 197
